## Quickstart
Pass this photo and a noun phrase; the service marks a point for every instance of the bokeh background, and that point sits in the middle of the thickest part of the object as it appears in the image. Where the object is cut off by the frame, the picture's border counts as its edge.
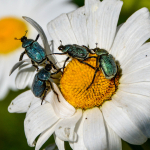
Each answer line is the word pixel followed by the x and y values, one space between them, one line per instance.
pixel 12 135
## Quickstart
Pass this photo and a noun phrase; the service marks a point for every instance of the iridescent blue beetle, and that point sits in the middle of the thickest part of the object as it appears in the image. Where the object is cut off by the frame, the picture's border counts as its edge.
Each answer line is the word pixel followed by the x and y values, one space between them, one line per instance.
pixel 38 54
pixel 81 53
pixel 42 84
pixel 34 50
pixel 105 62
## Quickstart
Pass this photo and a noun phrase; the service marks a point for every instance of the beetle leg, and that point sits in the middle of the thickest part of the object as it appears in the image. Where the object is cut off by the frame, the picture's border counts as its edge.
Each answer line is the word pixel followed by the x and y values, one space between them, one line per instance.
pixel 87 49
pixel 54 78
pixel 81 61
pixel 49 60
pixel 21 56
pixel 37 37
pixel 115 78
pixel 115 82
pixel 90 57
pixel 58 54
pixel 45 93
pixel 97 61
pixel 33 63
pixel 59 70
pixel 54 91
pixel 87 63
pixel 93 78
pixel 65 62
pixel 97 68
pixel 51 63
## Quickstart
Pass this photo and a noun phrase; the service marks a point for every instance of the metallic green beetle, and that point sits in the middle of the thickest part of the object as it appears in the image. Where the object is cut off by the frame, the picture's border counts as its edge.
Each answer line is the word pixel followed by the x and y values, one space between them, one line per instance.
pixel 105 62
pixel 81 53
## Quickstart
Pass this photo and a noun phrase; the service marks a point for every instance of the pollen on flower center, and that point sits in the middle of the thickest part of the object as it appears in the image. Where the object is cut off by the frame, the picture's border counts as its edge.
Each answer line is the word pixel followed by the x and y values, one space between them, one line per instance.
pixel 9 29
pixel 77 77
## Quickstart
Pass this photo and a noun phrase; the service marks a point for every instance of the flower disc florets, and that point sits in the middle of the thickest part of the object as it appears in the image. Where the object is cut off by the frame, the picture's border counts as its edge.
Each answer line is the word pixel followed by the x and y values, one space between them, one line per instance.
pixel 76 79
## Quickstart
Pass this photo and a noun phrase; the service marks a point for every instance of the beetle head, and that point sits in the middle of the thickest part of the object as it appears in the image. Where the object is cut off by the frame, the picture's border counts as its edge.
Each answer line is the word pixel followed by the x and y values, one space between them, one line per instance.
pixel 99 51
pixel 48 67
pixel 61 47
pixel 95 49
pixel 24 38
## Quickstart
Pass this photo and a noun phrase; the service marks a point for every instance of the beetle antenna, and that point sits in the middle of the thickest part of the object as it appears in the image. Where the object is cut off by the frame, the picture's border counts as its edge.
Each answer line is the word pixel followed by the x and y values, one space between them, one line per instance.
pixel 60 42
pixel 17 39
pixel 26 32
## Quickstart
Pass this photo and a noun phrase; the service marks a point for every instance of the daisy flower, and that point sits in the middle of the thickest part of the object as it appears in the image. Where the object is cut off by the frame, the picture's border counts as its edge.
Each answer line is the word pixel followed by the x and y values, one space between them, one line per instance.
pixel 12 25
pixel 111 109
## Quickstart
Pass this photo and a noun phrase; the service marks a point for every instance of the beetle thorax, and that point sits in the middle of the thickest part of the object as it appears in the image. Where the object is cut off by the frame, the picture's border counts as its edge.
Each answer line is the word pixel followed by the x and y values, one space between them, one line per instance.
pixel 43 74
pixel 99 51
pixel 27 42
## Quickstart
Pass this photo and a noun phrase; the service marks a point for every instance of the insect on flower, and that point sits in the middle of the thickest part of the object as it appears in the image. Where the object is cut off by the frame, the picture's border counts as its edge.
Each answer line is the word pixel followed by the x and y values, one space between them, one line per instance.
pixel 34 50
pixel 105 62
pixel 81 53
pixel 97 118
pixel 37 54
pixel 42 84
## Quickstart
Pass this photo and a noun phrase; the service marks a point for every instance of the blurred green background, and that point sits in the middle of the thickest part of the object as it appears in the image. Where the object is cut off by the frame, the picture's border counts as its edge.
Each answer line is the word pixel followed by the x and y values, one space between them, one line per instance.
pixel 12 135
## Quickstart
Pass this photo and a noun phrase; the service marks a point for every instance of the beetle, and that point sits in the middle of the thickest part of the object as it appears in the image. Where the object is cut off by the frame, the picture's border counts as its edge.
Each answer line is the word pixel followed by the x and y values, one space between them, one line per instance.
pixel 34 51
pixel 105 62
pixel 42 84
pixel 81 53
pixel 38 55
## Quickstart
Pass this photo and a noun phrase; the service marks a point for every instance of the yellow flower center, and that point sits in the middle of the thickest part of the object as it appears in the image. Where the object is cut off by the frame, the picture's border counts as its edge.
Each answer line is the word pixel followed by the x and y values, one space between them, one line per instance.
pixel 76 79
pixel 9 29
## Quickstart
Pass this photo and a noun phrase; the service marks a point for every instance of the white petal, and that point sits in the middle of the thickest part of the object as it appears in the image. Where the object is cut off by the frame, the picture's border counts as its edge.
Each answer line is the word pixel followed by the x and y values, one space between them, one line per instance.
pixel 59 143
pixel 44 136
pixel 141 88
pixel 79 144
pixel 38 121
pixel 42 35
pixel 78 22
pixel 138 114
pixel 24 76
pixel 120 122
pixel 114 141
pixel 107 19
pixel 63 109
pixel 18 64
pixel 138 60
pixel 118 28
pixel 36 102
pixel 94 133
pixel 41 32
pixel 140 75
pixel 91 8
pixel 102 21
pixel 65 128
pixel 60 29
pixel 88 4
pixel 134 99
pixel 21 103
pixel 132 34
